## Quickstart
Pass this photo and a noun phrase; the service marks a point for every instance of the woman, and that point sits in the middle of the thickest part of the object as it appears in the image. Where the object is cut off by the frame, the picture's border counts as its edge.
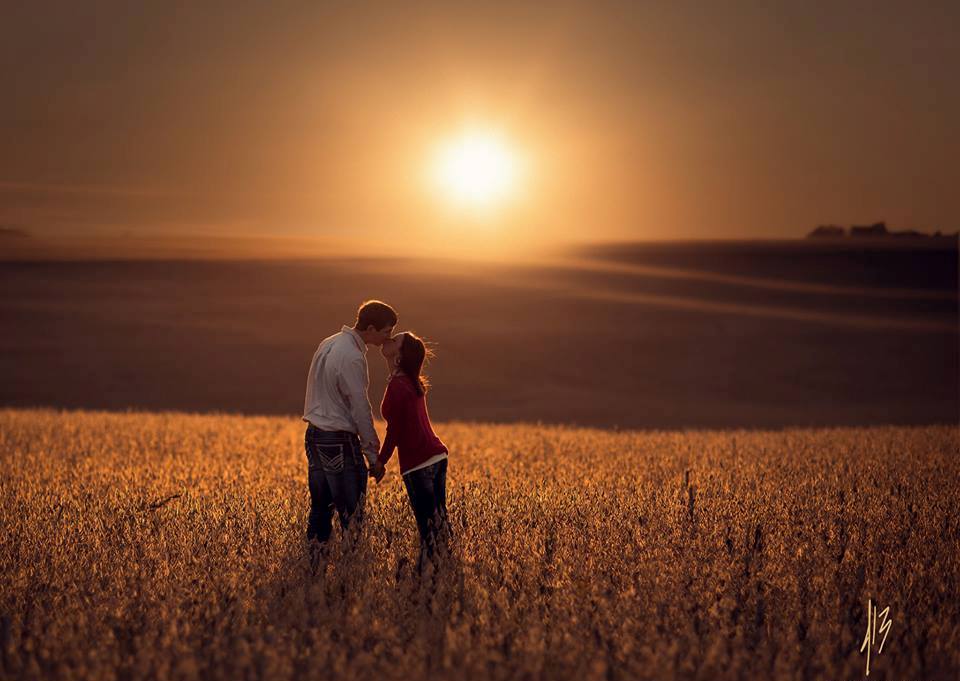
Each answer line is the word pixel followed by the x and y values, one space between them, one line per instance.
pixel 423 456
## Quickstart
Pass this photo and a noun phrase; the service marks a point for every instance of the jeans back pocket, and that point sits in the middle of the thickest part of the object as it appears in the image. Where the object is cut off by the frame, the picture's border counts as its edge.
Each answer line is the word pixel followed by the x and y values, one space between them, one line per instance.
pixel 331 457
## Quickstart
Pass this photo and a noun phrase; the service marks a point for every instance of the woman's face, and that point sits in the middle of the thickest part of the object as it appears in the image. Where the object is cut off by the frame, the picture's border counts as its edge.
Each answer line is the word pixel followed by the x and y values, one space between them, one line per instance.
pixel 391 349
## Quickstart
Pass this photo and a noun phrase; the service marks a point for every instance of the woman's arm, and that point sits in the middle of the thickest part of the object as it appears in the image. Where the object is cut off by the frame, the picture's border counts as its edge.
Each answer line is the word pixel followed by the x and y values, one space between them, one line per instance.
pixel 392 413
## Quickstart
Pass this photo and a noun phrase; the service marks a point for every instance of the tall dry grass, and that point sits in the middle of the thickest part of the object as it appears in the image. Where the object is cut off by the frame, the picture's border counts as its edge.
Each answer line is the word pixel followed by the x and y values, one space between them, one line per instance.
pixel 171 546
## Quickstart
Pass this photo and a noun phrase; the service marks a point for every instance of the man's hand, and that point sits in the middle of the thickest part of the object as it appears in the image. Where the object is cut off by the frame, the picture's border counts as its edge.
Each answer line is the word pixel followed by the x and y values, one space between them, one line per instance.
pixel 377 471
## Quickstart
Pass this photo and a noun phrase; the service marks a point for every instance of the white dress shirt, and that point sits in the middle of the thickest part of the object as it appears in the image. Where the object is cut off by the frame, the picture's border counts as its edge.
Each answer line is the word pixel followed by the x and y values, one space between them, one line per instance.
pixel 337 386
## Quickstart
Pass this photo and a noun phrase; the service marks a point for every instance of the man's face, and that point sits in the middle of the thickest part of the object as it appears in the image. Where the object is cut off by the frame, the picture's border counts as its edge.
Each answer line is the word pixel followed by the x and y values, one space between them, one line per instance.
pixel 379 336
pixel 391 348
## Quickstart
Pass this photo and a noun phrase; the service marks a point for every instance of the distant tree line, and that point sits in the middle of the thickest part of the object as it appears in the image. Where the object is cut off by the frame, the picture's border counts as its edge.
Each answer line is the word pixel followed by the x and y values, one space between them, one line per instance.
pixel 874 231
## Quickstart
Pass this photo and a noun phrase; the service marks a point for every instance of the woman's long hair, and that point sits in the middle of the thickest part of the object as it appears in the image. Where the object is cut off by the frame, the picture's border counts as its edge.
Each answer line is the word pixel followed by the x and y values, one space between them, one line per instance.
pixel 413 352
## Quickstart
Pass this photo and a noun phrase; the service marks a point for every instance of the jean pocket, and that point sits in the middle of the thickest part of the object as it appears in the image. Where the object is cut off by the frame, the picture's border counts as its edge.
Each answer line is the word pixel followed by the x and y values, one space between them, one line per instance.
pixel 331 457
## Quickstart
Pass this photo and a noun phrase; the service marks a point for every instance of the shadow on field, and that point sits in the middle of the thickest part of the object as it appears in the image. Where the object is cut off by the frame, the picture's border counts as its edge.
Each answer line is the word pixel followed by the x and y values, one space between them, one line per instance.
pixel 329 602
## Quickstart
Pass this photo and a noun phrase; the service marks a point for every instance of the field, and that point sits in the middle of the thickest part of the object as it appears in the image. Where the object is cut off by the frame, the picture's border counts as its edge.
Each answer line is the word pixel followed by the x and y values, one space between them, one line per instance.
pixel 722 335
pixel 165 545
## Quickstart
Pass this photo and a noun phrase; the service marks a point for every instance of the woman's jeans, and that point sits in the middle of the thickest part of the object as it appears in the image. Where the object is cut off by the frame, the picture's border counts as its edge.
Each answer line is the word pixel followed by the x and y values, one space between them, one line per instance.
pixel 337 476
pixel 427 489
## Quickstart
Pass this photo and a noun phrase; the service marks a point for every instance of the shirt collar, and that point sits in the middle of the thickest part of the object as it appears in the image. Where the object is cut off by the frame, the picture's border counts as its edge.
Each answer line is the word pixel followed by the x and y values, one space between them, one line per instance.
pixel 350 331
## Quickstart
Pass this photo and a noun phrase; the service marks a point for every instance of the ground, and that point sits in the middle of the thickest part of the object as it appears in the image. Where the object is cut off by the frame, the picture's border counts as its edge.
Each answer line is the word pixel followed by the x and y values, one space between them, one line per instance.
pixel 166 545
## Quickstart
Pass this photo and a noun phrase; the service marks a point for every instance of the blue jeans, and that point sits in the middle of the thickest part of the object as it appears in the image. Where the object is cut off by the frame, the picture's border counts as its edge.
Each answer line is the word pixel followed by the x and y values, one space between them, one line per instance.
pixel 427 489
pixel 337 475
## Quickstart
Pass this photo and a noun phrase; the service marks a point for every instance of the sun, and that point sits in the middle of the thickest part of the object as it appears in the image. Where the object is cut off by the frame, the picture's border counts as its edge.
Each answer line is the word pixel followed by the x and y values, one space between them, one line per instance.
pixel 477 168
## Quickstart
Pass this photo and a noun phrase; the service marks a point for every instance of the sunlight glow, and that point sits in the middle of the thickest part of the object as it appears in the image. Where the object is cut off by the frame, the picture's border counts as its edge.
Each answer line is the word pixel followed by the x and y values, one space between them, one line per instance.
pixel 478 169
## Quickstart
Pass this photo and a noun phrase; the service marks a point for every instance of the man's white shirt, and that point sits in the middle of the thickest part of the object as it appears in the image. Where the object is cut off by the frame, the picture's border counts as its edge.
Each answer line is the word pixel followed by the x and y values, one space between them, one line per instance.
pixel 337 386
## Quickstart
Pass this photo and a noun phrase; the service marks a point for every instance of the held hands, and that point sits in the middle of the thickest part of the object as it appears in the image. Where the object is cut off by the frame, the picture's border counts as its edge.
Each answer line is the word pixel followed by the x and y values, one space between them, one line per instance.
pixel 377 471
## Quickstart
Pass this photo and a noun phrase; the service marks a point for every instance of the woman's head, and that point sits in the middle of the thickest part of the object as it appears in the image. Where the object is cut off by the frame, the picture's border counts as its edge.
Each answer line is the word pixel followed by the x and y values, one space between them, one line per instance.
pixel 407 352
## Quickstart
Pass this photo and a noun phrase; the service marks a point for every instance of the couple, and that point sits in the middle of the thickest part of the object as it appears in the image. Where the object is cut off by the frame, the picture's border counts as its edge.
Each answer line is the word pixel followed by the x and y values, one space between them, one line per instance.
pixel 340 430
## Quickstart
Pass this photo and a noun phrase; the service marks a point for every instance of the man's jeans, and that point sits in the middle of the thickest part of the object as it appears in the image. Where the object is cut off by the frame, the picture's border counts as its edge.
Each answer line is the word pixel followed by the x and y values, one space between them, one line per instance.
pixel 337 476
pixel 427 489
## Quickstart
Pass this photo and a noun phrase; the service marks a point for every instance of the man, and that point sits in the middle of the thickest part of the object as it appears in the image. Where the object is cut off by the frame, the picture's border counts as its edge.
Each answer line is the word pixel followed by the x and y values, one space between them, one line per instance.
pixel 340 421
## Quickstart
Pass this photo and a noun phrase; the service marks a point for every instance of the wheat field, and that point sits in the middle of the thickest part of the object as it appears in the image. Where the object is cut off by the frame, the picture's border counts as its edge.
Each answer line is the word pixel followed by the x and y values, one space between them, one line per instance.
pixel 171 546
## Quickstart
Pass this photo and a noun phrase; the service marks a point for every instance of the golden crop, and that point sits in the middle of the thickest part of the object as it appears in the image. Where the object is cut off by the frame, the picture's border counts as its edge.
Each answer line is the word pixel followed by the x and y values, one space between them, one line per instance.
pixel 172 546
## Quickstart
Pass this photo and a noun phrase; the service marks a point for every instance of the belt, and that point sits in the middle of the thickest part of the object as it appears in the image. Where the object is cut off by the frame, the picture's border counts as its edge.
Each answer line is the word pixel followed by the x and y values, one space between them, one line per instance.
pixel 344 433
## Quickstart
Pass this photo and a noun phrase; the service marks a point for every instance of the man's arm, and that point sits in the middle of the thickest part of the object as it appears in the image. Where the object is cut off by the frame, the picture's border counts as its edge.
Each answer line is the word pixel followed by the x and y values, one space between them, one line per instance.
pixel 353 382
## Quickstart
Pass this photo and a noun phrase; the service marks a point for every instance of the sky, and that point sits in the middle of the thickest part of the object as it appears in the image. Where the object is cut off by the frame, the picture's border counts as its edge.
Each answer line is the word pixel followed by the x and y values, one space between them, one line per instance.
pixel 635 120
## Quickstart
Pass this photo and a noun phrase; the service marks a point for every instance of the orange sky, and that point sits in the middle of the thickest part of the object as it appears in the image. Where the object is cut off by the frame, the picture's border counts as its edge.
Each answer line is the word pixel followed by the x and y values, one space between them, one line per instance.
pixel 641 120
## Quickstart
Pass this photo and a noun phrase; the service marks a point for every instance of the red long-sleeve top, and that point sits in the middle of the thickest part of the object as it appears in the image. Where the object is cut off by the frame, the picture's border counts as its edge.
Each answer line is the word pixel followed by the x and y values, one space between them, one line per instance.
pixel 408 425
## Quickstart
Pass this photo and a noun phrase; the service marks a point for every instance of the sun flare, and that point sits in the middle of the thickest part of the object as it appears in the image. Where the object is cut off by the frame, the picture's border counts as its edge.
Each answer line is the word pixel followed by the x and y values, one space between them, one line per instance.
pixel 478 169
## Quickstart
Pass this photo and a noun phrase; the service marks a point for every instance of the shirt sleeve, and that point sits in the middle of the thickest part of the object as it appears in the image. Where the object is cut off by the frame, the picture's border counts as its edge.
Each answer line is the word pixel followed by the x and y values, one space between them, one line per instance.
pixel 354 382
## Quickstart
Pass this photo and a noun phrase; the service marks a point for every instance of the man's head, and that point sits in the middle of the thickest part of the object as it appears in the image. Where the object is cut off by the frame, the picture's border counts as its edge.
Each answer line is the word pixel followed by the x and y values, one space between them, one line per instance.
pixel 375 322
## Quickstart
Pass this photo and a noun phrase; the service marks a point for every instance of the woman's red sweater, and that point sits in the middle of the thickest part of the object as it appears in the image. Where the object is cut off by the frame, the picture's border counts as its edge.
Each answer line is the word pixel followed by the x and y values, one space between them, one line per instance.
pixel 408 425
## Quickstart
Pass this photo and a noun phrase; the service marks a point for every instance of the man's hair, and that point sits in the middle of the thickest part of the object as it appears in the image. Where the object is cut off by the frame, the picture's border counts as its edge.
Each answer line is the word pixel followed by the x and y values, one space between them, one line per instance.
pixel 375 313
